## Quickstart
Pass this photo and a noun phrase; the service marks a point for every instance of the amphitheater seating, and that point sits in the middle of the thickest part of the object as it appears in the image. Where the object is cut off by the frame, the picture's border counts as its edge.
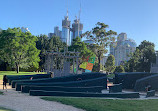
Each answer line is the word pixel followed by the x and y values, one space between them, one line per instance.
pixel 128 80
pixel 83 94
pixel 23 77
pixel 115 88
pixel 144 82
pixel 100 81
pixel 26 89
pixel 78 77
pixel 150 93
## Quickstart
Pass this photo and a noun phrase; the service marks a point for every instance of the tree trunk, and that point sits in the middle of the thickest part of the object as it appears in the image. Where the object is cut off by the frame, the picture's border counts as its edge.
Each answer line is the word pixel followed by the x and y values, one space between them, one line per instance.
pixel 17 68
pixel 99 63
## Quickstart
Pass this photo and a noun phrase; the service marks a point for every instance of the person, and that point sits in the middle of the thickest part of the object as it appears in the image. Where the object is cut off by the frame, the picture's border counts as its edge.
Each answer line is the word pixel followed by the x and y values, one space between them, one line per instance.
pixel 148 88
pixel 5 82
pixel 31 78
pixel 52 74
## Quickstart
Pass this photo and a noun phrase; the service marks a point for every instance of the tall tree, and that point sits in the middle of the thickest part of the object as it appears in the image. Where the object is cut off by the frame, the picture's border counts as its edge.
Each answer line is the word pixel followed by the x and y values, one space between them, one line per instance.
pixel 147 55
pixel 110 63
pixel 19 49
pixel 56 44
pixel 120 68
pixel 0 30
pixel 133 64
pixel 102 39
pixel 142 58
pixel 42 44
pixel 80 46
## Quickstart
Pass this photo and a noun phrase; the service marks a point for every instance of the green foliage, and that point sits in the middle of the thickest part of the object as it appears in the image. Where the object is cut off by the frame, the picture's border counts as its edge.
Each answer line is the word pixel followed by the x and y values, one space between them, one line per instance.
pixel 42 44
pixel 55 44
pixel 94 104
pixel 81 47
pixel 18 49
pixel 120 68
pixel 142 58
pixel 0 30
pixel 110 64
pixel 102 39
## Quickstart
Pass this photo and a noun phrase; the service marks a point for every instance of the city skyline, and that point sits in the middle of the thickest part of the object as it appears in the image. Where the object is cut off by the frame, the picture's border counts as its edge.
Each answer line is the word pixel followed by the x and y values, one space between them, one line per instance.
pixel 136 18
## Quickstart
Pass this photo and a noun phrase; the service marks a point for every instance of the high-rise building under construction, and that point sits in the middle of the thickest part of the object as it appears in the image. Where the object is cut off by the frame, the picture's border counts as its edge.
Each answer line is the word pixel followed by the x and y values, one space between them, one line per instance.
pixel 77 28
pixel 66 30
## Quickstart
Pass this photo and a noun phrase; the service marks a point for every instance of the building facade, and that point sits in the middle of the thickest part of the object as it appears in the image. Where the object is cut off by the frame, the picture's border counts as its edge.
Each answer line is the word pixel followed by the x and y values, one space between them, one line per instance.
pixel 57 32
pixel 89 42
pixel 122 48
pixel 66 31
pixel 76 29
pixel 25 29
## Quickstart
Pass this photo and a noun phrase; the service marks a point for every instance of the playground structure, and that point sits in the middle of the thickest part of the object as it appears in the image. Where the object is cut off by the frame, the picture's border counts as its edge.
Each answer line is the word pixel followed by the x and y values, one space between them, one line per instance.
pixel 59 62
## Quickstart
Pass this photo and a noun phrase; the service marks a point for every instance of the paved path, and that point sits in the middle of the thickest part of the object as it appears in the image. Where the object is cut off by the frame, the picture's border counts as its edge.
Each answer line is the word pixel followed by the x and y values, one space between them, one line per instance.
pixel 23 102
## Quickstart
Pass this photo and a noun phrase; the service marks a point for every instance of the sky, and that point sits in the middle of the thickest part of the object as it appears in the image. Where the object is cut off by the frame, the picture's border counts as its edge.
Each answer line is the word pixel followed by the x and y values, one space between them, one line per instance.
pixel 137 18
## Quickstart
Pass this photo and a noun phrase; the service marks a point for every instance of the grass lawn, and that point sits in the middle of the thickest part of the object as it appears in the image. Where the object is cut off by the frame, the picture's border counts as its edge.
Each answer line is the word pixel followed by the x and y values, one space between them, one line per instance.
pixel 14 73
pixel 94 104
pixel 4 109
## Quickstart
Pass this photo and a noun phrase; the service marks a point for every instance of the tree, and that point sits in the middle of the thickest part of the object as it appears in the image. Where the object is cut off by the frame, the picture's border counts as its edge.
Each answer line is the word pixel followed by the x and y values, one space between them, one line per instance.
pixel 110 63
pixel 81 47
pixel 42 44
pixel 19 49
pixel 147 55
pixel 119 68
pixel 142 58
pixel 56 44
pixel 102 39
pixel 133 64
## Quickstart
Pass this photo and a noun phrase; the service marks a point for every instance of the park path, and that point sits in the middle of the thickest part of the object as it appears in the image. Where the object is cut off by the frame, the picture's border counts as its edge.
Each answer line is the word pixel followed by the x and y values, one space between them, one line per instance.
pixel 23 102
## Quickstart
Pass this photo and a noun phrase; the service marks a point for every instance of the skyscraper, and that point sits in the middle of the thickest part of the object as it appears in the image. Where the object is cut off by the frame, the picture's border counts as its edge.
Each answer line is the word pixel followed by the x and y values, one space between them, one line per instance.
pixel 25 29
pixel 66 30
pixel 77 28
pixel 122 48
pixel 57 32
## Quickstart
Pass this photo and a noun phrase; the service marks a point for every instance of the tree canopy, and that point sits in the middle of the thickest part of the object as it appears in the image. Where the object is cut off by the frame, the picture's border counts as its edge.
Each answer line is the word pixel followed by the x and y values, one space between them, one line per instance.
pixel 110 63
pixel 142 58
pixel 18 49
pixel 102 39
pixel 81 47
pixel 119 69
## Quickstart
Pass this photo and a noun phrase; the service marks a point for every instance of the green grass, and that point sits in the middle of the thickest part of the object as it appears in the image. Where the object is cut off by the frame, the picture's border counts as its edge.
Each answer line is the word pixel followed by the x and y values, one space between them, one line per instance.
pixel 4 109
pixel 14 73
pixel 94 104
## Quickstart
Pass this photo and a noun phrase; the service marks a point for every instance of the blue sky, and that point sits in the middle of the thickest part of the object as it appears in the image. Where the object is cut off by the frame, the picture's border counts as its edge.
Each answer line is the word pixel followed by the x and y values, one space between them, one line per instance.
pixel 137 18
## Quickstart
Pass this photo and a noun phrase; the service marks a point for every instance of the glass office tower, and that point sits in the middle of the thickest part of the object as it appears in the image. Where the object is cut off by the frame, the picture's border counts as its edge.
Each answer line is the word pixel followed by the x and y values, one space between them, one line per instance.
pixel 77 28
pixel 66 30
